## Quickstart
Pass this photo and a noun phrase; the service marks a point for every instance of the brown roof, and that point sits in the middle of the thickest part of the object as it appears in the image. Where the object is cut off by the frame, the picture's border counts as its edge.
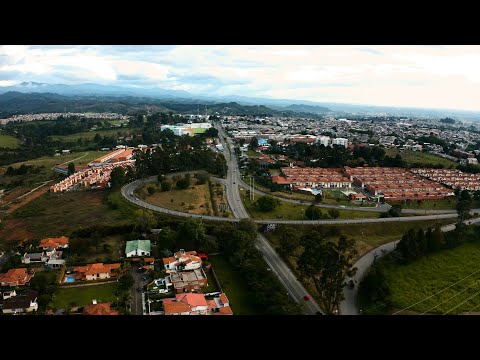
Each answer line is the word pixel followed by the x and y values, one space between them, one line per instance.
pixel 98 268
pixel 223 298
pixel 227 310
pixel 19 275
pixel 149 259
pixel 99 309
pixel 175 307
pixel 54 242
pixel 168 260
pixel 192 299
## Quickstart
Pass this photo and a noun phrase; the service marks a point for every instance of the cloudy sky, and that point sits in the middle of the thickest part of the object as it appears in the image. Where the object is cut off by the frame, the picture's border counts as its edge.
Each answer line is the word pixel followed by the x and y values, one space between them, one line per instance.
pixel 421 76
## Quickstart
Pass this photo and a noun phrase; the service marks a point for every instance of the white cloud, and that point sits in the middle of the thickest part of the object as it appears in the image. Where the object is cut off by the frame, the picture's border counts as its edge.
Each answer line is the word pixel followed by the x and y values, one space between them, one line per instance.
pixel 424 76
pixel 8 82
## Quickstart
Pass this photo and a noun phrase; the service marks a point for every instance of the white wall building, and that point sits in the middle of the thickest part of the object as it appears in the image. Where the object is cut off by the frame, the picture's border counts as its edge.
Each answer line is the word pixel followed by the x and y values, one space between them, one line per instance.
pixel 340 141
pixel 323 140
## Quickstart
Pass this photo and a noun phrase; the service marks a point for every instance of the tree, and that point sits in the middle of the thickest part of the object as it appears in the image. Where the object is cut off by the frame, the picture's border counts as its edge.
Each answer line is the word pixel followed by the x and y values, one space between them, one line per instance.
pixel 166 185
pixel 463 209
pixel 328 265
pixel 395 211
pixel 71 168
pixel 465 195
pixel 319 198
pixel 334 213
pixel 183 183
pixel 374 288
pixel 267 203
pixel 125 282
pixel 313 213
pixel 253 143
pixel 117 178
pixel 151 190
pixel 144 220
pixel 457 191
pixel 289 241
pixel 167 238
pixel 192 233
pixel 435 239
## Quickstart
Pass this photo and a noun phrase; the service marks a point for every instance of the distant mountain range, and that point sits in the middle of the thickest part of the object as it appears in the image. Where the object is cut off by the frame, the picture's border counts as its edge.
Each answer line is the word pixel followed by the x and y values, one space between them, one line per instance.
pixel 14 102
pixel 108 93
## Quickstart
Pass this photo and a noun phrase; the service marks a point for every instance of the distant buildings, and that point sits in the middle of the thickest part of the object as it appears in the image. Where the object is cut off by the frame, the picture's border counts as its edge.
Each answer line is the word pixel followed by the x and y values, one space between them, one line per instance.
pixel 340 141
pixel 187 129
pixel 312 177
pixel 451 177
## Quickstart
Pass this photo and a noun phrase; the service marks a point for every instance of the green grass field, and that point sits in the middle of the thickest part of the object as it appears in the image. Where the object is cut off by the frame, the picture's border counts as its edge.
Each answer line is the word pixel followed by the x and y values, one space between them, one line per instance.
pixel 91 134
pixel 234 286
pixel 428 276
pixel 412 157
pixel 290 211
pixel 10 142
pixel 83 295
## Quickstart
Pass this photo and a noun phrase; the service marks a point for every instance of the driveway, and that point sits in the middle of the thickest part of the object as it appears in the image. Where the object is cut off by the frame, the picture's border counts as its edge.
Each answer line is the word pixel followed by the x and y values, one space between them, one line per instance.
pixel 136 296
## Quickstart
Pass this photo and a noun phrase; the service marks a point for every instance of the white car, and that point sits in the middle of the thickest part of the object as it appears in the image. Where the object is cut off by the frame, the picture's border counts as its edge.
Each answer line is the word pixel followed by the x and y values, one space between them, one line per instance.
pixel 342 206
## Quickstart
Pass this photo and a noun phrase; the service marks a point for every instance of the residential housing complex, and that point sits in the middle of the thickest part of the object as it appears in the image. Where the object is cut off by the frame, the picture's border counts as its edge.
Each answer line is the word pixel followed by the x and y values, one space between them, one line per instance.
pixel 396 184
pixel 312 177
pixel 97 175
pixel 451 177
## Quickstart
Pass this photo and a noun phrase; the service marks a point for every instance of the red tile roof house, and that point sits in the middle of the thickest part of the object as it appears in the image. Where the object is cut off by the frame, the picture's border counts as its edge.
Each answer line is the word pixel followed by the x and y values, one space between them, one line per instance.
pixel 95 271
pixel 54 243
pixel 99 309
pixel 15 277
pixel 182 261
pixel 196 304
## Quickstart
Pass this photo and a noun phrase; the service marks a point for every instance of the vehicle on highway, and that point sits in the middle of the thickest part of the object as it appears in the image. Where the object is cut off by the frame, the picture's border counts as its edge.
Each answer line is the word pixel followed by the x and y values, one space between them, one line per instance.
pixel 342 206
pixel 306 298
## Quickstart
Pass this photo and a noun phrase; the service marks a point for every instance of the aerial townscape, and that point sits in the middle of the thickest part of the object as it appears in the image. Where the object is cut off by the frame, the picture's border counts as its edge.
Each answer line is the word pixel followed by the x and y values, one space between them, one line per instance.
pixel 172 197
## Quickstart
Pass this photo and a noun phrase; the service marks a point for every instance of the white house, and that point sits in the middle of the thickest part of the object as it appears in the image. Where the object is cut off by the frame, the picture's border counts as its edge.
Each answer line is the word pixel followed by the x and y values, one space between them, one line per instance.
pixel 138 248
pixel 182 261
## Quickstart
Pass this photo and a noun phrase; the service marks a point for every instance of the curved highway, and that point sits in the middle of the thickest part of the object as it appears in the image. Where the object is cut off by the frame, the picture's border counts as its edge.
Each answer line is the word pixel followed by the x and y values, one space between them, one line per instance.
pixel 240 212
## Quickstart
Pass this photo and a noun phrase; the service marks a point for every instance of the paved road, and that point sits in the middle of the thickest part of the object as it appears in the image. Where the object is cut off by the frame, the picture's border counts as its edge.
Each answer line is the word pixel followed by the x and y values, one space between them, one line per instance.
pixel 136 296
pixel 349 305
pixel 274 261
